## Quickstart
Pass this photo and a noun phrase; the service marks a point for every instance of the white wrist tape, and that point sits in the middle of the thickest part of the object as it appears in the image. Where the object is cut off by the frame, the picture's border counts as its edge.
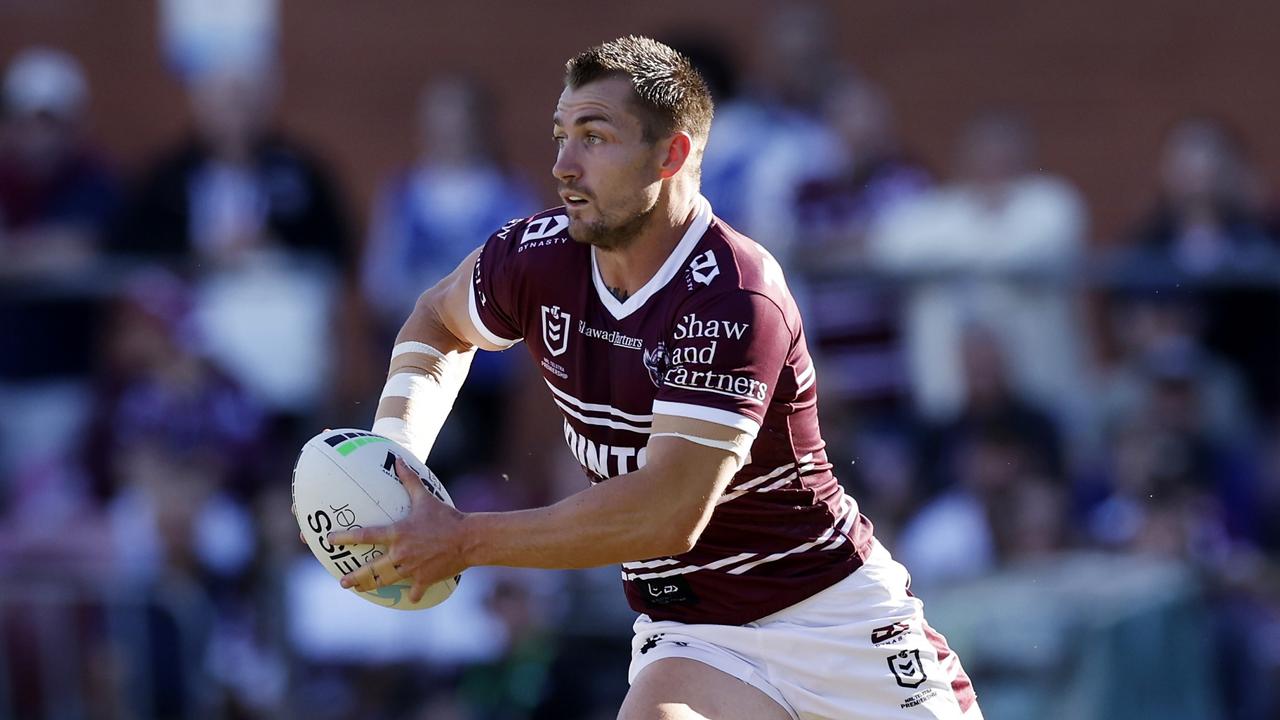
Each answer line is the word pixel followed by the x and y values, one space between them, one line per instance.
pixel 429 383
pixel 411 346
pixel 404 384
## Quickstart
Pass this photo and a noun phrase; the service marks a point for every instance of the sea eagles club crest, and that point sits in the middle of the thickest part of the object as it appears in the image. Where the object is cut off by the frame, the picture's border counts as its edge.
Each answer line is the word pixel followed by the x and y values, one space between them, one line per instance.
pixel 555 330
pixel 655 360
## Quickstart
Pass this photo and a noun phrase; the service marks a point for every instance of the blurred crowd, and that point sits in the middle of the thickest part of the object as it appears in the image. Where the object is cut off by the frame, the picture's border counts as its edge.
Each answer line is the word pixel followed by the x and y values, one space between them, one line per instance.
pixel 1000 389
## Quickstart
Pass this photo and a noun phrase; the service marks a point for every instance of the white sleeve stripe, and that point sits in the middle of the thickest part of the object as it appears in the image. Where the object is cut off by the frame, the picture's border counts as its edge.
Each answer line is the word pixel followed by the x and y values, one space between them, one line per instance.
pixel 412 346
pixel 480 326
pixel 402 384
pixel 734 448
pixel 701 412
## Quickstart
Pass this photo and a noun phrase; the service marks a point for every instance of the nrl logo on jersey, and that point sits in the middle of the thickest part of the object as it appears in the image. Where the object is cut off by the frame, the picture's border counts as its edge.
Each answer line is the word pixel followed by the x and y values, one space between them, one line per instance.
pixel 703 269
pixel 555 330
pixel 543 231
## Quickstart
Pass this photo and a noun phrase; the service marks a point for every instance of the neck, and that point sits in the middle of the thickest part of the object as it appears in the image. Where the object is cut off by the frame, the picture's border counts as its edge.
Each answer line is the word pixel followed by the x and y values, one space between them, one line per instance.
pixel 625 270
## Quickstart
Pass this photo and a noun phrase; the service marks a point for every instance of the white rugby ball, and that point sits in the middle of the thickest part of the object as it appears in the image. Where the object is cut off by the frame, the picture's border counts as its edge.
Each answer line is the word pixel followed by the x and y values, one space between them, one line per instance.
pixel 347 479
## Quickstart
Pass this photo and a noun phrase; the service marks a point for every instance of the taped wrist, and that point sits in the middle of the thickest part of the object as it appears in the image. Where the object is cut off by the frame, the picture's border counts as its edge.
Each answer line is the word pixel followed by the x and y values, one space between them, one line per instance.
pixel 422 384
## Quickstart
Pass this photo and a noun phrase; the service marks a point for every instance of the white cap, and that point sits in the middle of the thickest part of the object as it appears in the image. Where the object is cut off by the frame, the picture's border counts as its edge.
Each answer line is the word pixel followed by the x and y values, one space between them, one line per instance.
pixel 42 79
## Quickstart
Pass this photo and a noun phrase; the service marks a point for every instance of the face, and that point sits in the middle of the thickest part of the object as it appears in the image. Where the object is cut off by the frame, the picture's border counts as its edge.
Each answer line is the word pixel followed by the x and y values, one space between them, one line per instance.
pixel 1196 163
pixel 231 108
pixel 609 174
pixel 450 122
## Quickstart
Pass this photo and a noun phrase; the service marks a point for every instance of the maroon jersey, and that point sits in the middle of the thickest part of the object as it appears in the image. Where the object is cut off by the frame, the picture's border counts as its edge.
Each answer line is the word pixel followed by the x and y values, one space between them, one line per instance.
pixel 714 335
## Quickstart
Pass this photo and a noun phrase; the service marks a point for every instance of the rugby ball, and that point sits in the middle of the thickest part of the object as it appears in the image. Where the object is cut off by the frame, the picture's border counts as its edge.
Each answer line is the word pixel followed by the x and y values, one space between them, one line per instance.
pixel 346 479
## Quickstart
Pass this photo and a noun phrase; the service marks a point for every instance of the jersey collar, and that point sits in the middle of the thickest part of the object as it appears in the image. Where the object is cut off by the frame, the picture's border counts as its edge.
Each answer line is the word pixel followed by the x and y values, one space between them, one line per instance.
pixel 621 309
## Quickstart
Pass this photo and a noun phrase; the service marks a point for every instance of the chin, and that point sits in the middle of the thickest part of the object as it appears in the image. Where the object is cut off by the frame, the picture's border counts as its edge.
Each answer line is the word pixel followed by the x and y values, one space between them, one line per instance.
pixel 589 234
pixel 608 237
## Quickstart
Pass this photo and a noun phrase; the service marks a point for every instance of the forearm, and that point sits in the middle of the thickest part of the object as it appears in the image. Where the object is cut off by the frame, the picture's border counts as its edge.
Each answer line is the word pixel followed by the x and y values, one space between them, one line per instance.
pixel 616 521
pixel 428 366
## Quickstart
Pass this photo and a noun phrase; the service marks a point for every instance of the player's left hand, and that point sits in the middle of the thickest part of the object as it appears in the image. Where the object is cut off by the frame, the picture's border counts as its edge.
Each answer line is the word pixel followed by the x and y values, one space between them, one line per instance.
pixel 425 547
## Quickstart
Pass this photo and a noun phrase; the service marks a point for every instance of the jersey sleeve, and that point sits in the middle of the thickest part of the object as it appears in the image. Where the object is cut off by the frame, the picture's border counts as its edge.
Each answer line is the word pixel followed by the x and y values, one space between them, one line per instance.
pixel 495 289
pixel 722 360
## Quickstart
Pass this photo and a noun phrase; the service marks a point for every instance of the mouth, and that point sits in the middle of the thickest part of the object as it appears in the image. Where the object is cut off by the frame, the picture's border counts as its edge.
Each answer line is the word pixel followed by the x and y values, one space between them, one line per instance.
pixel 574 200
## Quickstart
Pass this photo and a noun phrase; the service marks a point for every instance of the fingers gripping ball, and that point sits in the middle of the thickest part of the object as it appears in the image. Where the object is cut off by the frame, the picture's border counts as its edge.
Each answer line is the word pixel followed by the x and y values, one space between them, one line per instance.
pixel 346 479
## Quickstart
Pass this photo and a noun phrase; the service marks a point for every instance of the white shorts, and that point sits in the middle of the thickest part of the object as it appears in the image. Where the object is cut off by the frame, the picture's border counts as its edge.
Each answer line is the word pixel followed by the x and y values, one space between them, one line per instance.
pixel 856 651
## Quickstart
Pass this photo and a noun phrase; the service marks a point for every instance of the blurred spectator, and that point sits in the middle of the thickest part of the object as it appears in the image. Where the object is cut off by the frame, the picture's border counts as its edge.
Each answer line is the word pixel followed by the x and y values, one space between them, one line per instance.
pixel 427 219
pixel 260 223
pixel 993 246
pixel 1206 217
pixel 1208 231
pixel 852 324
pixel 1000 511
pixel 769 139
pixel 236 185
pixel 173 440
pixel 431 215
pixel 1155 331
pixel 56 202
pixel 1170 486
pixel 512 686
pixel 992 401
pixel 995 473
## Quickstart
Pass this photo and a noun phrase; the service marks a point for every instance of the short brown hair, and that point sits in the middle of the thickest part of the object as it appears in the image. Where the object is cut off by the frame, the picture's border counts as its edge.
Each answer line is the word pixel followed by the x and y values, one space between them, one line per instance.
pixel 670 93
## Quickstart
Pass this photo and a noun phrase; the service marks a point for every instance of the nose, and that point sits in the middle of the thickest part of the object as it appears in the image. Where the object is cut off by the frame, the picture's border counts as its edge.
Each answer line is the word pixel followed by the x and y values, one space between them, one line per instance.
pixel 566 168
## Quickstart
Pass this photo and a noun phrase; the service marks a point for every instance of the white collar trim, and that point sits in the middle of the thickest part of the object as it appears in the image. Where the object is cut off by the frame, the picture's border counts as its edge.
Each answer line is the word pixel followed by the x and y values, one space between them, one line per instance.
pixel 620 309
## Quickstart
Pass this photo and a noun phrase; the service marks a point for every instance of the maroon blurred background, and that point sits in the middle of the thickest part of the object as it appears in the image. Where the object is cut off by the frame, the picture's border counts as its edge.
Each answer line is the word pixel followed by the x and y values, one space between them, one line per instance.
pixel 1101 81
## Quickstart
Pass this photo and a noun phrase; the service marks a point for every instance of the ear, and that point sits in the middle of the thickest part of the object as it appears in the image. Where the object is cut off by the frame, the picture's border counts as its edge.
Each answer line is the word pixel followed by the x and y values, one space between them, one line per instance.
pixel 679 148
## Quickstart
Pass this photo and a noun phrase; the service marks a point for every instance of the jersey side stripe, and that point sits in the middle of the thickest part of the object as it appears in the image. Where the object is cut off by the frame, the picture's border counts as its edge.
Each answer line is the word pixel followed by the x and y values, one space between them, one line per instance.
pixel 805 379
pixel 649 564
pixel 824 537
pixel 804 376
pixel 850 515
pixel 596 407
pixel 602 422
pixel 722 562
pixel 742 489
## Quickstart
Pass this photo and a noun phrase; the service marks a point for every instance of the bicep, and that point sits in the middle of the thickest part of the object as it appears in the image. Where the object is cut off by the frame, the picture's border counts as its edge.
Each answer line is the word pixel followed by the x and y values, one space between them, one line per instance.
pixel 442 318
pixel 695 459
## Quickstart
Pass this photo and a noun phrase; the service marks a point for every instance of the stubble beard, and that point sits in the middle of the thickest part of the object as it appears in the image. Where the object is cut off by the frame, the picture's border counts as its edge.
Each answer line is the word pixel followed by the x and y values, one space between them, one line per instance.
pixel 611 237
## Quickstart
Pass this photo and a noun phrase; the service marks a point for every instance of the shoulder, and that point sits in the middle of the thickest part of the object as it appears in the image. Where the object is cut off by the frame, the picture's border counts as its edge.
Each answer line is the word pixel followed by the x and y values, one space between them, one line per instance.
pixel 543 232
pixel 537 246
pixel 730 270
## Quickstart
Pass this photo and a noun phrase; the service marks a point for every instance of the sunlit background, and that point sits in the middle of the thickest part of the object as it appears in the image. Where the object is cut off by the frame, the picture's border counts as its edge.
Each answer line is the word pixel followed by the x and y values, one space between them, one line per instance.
pixel 1035 244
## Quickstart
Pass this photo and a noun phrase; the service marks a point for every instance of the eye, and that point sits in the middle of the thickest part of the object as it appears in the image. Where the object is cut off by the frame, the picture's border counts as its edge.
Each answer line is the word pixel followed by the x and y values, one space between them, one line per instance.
pixel 594 139
pixel 559 139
